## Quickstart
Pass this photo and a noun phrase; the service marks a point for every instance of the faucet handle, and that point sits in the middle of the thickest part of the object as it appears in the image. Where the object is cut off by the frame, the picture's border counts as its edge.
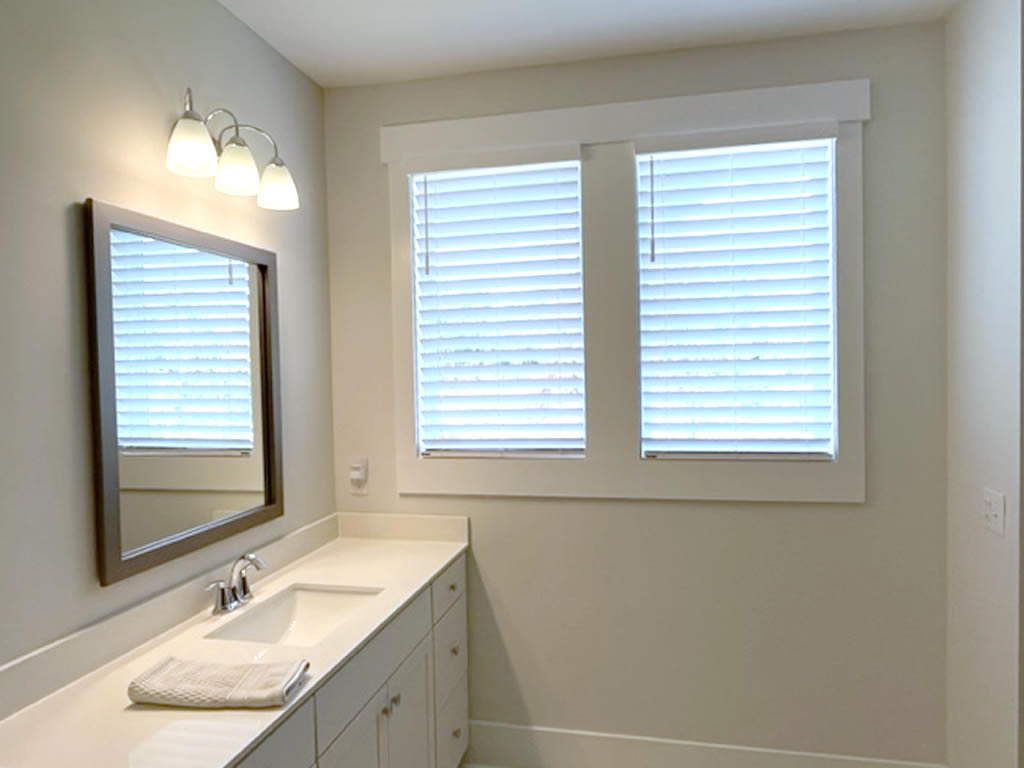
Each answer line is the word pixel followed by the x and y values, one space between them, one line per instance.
pixel 223 601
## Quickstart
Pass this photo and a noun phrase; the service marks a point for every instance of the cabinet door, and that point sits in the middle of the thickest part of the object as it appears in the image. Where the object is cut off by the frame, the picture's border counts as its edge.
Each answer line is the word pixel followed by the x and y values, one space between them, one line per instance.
pixel 363 744
pixel 291 745
pixel 411 724
pixel 347 690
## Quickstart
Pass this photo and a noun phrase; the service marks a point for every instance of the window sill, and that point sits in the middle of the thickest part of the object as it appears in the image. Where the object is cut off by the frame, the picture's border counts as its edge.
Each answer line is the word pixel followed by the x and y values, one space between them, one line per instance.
pixel 605 477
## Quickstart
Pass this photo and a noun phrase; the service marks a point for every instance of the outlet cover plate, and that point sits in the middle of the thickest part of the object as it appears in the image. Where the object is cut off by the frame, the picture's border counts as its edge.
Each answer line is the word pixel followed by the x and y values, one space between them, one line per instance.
pixel 359 476
pixel 994 510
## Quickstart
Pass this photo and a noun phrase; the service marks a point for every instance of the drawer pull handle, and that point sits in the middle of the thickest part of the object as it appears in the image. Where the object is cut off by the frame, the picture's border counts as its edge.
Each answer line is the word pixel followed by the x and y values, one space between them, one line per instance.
pixel 386 711
pixel 452 587
pixel 455 650
pixel 396 700
pixel 457 733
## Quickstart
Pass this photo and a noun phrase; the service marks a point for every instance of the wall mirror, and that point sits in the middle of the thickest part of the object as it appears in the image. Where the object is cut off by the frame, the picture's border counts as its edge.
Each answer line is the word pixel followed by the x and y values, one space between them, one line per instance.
pixel 186 388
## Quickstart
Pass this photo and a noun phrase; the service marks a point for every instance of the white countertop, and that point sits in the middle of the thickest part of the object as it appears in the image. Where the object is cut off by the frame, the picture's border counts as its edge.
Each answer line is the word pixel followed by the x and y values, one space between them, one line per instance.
pixel 92 724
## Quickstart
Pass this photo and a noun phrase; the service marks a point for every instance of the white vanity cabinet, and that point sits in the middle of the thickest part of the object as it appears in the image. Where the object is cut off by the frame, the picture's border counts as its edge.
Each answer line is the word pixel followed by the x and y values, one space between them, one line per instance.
pixel 411 711
pixel 400 702
pixel 451 663
pixel 382 623
pixel 395 728
pixel 291 745
pixel 363 744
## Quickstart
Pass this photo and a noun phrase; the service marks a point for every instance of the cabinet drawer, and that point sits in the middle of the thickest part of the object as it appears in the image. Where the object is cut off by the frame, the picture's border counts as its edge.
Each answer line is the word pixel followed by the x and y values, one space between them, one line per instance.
pixel 345 693
pixel 292 745
pixel 453 727
pixel 449 586
pixel 450 651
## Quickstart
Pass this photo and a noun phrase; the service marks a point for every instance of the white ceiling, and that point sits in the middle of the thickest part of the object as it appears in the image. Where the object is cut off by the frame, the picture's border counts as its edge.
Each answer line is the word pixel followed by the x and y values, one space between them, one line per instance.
pixel 353 42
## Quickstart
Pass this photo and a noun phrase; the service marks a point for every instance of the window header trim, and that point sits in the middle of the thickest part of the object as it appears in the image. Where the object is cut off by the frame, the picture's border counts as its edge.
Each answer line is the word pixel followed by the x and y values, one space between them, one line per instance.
pixel 817 103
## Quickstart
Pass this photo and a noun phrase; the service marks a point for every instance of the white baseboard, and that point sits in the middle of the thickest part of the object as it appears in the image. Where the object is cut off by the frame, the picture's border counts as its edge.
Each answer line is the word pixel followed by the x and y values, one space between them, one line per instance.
pixel 519 746
pixel 40 672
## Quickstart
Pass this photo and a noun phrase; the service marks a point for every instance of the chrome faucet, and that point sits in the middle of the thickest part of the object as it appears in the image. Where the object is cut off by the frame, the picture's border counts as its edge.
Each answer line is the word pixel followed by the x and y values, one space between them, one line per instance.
pixel 236 591
pixel 239 581
pixel 223 602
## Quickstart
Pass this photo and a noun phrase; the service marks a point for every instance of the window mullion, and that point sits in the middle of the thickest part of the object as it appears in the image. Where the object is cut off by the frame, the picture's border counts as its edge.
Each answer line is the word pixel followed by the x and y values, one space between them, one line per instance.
pixel 610 303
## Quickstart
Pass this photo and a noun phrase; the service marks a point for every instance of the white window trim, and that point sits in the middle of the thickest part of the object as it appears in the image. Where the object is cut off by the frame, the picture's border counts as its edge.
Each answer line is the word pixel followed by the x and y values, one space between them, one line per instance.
pixel 606 137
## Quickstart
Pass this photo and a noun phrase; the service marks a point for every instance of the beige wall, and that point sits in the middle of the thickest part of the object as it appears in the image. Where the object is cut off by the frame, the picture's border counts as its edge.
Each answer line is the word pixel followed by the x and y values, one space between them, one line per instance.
pixel 984 102
pixel 808 627
pixel 90 91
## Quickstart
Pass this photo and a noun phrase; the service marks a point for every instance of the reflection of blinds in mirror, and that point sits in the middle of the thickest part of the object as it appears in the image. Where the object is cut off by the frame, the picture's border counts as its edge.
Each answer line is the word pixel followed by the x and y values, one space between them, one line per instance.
pixel 181 346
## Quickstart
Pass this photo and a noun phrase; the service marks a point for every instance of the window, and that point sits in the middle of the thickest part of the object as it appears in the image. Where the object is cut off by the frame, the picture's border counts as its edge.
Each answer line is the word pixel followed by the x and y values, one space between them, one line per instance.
pixel 716 241
pixel 182 332
pixel 499 310
pixel 736 300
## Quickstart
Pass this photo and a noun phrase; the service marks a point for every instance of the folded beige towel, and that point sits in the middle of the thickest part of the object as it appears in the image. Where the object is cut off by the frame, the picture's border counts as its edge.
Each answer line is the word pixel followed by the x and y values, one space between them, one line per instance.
pixel 203 685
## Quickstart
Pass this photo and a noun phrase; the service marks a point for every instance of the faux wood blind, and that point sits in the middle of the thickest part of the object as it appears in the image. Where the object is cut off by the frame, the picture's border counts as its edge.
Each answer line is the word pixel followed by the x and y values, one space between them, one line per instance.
pixel 737 319
pixel 499 310
pixel 181 346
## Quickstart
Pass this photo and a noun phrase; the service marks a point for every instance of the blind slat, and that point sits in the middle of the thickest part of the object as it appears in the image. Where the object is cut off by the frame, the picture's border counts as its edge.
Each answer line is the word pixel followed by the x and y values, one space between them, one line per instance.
pixel 737 300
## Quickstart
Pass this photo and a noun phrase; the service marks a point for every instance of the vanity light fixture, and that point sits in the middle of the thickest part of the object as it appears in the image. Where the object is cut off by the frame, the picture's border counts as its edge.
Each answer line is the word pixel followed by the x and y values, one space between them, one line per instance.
pixel 236 172
pixel 193 151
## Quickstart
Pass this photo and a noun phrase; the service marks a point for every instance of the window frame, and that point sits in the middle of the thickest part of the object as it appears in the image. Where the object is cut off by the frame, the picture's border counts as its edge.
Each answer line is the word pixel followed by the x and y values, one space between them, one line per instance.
pixel 606 140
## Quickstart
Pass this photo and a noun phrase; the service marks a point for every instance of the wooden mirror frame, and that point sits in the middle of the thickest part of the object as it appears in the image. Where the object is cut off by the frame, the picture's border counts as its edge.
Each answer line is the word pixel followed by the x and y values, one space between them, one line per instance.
pixel 113 564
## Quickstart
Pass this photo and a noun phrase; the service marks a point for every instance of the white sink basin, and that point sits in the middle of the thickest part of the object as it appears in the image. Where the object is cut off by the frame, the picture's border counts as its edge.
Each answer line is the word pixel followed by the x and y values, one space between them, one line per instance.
pixel 301 615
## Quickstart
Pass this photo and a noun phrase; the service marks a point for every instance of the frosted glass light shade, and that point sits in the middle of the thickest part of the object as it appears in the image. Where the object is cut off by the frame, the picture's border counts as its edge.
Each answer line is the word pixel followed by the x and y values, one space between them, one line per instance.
pixel 277 188
pixel 237 173
pixel 190 151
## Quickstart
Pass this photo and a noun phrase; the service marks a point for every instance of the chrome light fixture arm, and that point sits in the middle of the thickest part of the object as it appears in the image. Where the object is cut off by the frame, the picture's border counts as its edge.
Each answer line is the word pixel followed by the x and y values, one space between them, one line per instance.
pixel 234 124
pixel 189 111
pixel 276 159
pixel 191 114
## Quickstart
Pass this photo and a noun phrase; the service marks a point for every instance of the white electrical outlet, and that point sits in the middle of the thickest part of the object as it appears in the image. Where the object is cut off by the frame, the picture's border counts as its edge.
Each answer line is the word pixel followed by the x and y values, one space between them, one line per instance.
pixel 359 476
pixel 994 510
